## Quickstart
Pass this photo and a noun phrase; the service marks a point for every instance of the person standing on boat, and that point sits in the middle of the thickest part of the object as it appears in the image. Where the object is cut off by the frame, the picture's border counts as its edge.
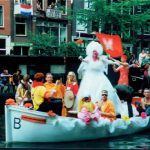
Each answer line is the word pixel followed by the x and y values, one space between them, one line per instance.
pixel 94 78
pixel 107 109
pixel 72 85
pixel 23 92
pixel 124 70
pixel 41 97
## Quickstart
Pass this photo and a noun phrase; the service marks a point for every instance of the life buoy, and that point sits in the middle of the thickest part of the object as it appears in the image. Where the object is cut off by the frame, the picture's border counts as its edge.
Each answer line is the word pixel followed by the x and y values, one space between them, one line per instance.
pixel 33 119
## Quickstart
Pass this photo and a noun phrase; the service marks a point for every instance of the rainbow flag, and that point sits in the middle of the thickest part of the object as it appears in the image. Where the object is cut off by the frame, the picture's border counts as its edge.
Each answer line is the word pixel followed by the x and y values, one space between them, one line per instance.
pixel 25 9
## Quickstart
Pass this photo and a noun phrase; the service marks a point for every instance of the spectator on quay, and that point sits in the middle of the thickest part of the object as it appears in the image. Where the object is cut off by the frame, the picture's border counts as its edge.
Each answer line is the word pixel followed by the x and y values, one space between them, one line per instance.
pixel 146 79
pixel 142 55
pixel 133 61
pixel 147 55
pixel 38 5
pixel 5 76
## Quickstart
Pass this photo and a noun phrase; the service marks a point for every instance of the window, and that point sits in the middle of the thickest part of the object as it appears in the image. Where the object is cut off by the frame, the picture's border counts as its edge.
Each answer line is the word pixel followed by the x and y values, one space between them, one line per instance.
pixel 2 46
pixel 146 30
pixel 41 4
pixel 21 27
pixel 1 16
pixel 87 4
pixel 20 50
pixel 63 33
pixel 139 9
pixel 2 43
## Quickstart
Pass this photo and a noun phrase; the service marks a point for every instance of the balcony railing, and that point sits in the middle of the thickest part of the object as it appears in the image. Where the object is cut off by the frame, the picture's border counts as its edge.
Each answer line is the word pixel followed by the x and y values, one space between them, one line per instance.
pixel 53 13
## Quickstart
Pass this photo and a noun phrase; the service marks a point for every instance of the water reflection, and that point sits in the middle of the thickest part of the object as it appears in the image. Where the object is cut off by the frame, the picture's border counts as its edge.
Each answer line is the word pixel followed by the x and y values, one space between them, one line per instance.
pixel 136 141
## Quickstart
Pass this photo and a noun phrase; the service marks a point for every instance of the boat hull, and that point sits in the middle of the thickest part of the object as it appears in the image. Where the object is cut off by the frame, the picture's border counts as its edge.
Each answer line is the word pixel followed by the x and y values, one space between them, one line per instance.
pixel 24 125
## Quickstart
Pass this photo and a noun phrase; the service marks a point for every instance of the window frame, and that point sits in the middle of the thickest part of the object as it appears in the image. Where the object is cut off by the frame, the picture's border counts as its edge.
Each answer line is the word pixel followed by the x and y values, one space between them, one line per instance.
pixel 2 25
pixel 3 49
pixel 17 23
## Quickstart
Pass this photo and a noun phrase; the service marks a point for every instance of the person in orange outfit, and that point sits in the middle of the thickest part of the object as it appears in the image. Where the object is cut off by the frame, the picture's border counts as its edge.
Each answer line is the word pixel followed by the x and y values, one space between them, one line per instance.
pixel 57 89
pixel 124 71
pixel 107 109
pixel 41 97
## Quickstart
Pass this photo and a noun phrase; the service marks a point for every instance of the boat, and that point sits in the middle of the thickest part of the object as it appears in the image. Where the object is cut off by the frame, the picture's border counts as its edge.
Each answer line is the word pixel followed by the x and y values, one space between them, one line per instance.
pixel 26 125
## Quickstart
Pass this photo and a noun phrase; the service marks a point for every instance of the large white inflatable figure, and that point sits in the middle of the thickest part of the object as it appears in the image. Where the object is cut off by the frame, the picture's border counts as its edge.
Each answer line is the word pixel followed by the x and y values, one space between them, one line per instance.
pixel 92 68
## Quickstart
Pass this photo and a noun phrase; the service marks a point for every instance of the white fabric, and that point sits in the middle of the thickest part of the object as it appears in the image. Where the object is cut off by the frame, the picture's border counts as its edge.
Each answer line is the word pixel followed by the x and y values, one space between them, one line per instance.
pixel 94 46
pixel 94 81
pixel 125 108
pixel 141 57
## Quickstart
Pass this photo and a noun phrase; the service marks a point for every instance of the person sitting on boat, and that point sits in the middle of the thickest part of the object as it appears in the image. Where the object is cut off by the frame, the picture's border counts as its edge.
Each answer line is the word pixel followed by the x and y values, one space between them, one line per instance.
pixel 41 97
pixel 23 92
pixel 106 106
pixel 87 111
pixel 144 106
pixel 57 89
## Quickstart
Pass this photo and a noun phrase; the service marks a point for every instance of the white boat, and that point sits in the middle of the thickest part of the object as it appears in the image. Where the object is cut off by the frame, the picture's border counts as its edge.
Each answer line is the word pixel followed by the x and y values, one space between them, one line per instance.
pixel 24 125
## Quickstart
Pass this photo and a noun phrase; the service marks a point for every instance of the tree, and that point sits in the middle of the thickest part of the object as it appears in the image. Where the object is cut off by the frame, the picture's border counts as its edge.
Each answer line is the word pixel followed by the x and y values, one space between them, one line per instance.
pixel 118 17
pixel 70 49
pixel 43 44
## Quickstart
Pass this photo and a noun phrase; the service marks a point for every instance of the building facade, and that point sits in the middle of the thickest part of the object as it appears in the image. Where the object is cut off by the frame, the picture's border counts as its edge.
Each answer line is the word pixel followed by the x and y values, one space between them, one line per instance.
pixel 84 30
pixel 5 27
pixel 19 19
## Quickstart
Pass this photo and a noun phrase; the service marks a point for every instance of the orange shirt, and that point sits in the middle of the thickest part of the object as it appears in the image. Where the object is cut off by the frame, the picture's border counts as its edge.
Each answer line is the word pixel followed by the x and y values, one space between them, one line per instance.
pixel 60 89
pixel 108 107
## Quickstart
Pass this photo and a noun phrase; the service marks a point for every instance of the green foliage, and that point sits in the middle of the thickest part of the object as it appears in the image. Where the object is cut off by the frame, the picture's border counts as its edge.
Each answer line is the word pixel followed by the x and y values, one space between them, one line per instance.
pixel 43 44
pixel 70 49
pixel 116 17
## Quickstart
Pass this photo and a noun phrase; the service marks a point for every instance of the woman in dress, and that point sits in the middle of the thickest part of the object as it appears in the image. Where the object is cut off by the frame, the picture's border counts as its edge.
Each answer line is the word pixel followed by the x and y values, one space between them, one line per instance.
pixel 72 84
pixel 124 71
pixel 94 80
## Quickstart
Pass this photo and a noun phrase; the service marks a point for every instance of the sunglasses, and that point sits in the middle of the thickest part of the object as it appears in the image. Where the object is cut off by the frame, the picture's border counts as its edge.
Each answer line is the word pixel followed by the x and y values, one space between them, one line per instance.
pixel 104 94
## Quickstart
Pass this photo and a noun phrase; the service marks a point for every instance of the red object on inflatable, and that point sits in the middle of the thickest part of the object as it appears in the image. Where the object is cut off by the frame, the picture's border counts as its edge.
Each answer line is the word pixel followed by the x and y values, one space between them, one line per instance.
pixel 136 99
pixel 112 44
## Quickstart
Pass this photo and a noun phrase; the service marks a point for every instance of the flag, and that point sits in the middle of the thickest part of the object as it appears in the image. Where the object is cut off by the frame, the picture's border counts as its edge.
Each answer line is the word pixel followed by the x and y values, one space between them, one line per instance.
pixel 79 41
pixel 112 44
pixel 25 9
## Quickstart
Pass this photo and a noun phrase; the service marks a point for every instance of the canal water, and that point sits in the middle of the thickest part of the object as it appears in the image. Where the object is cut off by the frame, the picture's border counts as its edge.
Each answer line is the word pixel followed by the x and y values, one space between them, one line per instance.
pixel 136 141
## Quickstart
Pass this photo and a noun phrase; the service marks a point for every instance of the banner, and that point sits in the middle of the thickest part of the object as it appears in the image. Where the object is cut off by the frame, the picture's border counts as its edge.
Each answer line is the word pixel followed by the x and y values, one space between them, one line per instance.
pixel 25 9
pixel 112 44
